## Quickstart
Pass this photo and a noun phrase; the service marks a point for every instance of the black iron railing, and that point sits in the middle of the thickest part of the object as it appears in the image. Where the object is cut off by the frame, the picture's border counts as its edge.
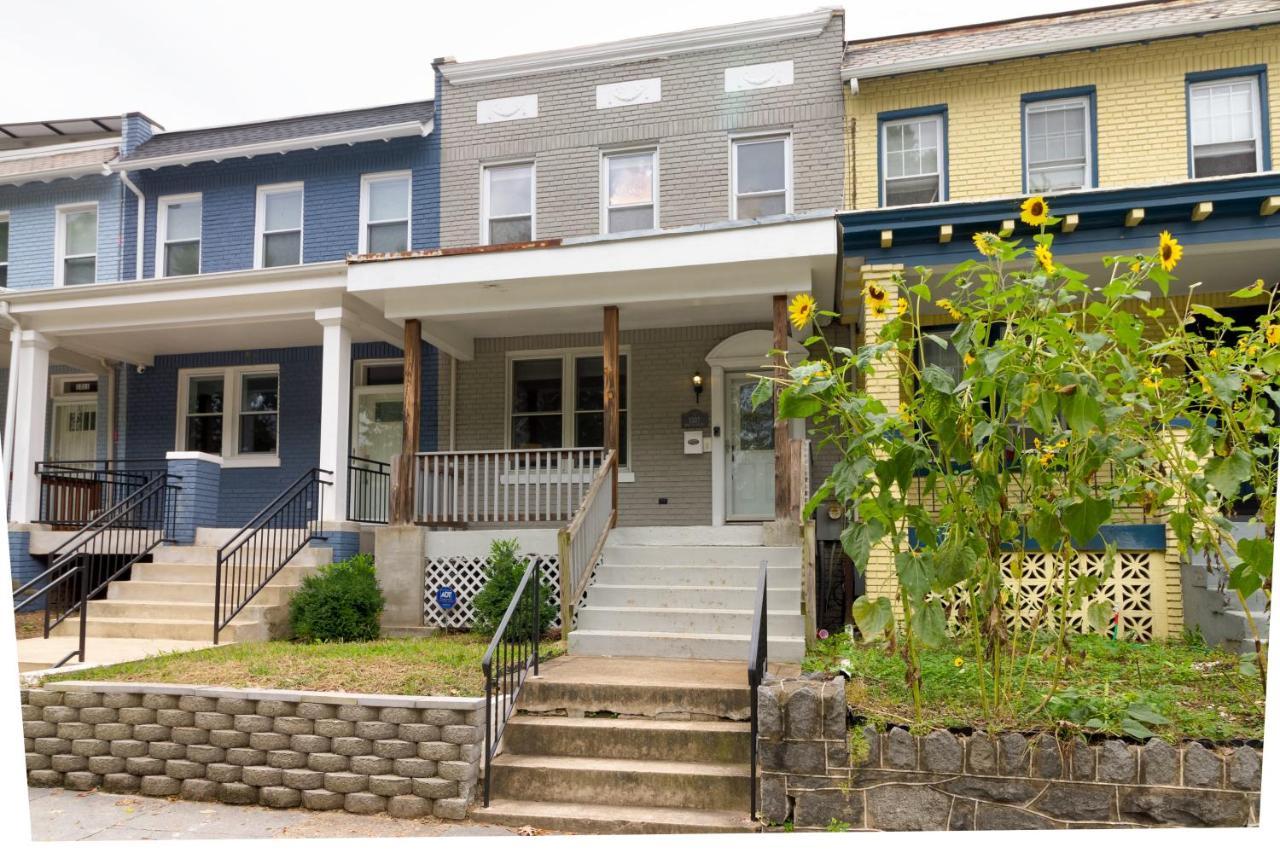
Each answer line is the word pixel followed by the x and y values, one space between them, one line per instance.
pixel 259 550
pixel 368 490
pixel 74 492
pixel 511 655
pixel 99 553
pixel 757 663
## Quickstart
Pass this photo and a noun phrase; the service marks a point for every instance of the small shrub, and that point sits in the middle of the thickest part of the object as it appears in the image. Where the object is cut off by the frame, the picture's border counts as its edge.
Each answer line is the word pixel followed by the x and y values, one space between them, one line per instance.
pixel 504 570
pixel 340 603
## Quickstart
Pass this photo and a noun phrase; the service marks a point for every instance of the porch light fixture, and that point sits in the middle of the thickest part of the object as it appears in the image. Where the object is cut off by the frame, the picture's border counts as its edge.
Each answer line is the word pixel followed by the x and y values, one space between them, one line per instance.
pixel 697 385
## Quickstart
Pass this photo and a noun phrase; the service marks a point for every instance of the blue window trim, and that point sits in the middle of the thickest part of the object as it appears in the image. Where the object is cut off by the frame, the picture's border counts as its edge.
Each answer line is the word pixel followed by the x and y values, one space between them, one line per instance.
pixel 913 112
pixel 1264 112
pixel 1090 92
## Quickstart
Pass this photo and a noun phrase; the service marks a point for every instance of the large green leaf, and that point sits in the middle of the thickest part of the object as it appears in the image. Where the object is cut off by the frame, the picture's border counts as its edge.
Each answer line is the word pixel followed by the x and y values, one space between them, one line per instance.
pixel 1227 473
pixel 938 379
pixel 792 404
pixel 1082 519
pixel 953 563
pixel 913 573
pixel 1257 554
pixel 762 393
pixel 857 539
pixel 929 624
pixel 1098 616
pixel 872 616
pixel 1081 410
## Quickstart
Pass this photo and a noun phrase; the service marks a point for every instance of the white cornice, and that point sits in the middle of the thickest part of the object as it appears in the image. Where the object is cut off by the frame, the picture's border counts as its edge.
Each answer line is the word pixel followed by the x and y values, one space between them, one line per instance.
pixel 852 71
pixel 64 148
pixel 646 47
pixel 281 146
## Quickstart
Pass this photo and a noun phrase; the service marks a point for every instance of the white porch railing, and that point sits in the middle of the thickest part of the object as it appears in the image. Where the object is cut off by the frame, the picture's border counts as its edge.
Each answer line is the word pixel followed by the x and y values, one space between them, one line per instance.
pixel 582 539
pixel 503 486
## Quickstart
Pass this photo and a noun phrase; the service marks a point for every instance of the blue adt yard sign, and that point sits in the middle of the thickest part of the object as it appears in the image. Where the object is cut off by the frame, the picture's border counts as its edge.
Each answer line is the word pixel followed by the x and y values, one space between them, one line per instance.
pixel 446 597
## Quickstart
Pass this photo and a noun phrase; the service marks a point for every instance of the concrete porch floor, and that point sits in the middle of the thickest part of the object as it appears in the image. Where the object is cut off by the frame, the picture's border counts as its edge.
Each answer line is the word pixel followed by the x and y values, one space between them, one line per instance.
pixel 39 653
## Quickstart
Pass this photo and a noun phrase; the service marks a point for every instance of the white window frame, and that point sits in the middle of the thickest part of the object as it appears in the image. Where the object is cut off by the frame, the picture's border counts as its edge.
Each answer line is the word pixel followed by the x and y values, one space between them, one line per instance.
pixel 60 240
pixel 231 376
pixel 484 196
pixel 162 231
pixel 1083 101
pixel 4 217
pixel 260 220
pixel 747 138
pixel 568 390
pixel 604 183
pixel 372 178
pixel 1256 92
pixel 883 141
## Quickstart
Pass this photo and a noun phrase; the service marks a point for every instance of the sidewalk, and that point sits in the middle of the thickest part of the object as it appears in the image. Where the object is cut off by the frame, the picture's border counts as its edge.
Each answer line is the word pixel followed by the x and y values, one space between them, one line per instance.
pixel 61 815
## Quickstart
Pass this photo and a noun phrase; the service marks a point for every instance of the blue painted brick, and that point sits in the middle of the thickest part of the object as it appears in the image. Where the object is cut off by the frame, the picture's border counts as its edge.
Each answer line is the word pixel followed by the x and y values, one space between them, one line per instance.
pixel 196 504
pixel 33 226
pixel 23 566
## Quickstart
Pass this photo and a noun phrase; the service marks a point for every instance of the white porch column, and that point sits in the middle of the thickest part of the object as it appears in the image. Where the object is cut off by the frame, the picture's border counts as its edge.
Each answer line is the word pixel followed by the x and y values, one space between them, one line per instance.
pixel 335 408
pixel 31 373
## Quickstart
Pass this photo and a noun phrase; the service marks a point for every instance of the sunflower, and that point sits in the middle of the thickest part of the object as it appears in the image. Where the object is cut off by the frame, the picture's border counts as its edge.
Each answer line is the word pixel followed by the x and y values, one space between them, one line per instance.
pixel 904 412
pixel 1273 334
pixel 1045 257
pixel 958 662
pixel 985 243
pixel 968 359
pixel 801 310
pixel 1170 251
pixel 877 299
pixel 902 306
pixel 1035 212
pixel 948 306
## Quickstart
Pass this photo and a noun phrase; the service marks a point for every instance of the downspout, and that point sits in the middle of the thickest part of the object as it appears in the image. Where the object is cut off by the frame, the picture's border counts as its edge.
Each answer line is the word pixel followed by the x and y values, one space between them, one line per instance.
pixel 142 218
pixel 11 395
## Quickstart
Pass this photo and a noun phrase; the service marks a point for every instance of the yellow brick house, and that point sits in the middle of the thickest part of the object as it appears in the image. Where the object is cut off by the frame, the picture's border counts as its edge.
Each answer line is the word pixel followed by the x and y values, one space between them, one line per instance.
pixel 1130 120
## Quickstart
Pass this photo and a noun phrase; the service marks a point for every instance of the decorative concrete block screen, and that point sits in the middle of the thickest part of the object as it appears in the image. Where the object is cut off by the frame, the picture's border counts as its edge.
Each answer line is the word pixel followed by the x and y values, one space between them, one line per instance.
pixel 814 770
pixel 1130 589
pixel 465 574
pixel 409 756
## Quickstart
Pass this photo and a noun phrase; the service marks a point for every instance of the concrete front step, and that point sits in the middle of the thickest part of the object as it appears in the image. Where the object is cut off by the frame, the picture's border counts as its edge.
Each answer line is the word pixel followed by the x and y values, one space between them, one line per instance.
pixel 586 819
pixel 275 593
pixel 623 782
pixel 142 609
pixel 165 629
pixel 173 572
pixel 684 620
pixel 639 687
pixel 725 534
pixel 681 575
pixel 785 599
pixel 701 555
pixel 313 555
pixel 711 741
pixel 657 644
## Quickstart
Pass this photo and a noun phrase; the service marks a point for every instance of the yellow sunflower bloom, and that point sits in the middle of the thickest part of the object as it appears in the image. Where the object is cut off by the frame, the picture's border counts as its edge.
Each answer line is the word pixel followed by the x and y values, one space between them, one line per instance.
pixel 985 243
pixel 902 306
pixel 1253 350
pixel 904 412
pixel 1170 251
pixel 968 360
pixel 801 310
pixel 877 299
pixel 957 663
pixel 1035 212
pixel 1273 334
pixel 1045 257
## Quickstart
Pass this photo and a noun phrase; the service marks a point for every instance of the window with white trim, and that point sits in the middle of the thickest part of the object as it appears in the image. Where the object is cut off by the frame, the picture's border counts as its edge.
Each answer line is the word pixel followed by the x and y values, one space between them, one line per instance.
pixel 630 181
pixel 1058 145
pixel 4 250
pixel 384 212
pixel 761 175
pixel 912 160
pixel 279 225
pixel 508 203
pixel 557 400
pixel 77 244
pixel 1226 127
pixel 179 234
pixel 231 412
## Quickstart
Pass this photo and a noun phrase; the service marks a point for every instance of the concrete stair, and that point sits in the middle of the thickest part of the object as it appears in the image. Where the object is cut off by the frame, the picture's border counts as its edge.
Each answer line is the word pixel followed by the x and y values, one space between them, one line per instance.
pixel 1217 613
pixel 653 598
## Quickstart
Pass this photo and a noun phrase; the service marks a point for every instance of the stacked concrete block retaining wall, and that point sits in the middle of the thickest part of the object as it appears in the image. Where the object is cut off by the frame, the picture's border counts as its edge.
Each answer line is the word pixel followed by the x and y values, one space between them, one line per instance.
pixel 409 756
pixel 814 770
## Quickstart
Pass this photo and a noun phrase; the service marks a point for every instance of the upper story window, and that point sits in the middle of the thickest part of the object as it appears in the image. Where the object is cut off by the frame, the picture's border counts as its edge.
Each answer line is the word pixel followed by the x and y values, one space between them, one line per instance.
pixel 77 245
pixel 384 212
pixel 912 160
pixel 279 226
pixel 631 191
pixel 4 250
pixel 1226 127
pixel 761 177
pixel 1059 144
pixel 179 234
pixel 508 203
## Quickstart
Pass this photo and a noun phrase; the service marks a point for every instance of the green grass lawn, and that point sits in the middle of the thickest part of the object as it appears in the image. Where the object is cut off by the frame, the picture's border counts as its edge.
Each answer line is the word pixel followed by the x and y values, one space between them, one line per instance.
pixel 442 665
pixel 1200 690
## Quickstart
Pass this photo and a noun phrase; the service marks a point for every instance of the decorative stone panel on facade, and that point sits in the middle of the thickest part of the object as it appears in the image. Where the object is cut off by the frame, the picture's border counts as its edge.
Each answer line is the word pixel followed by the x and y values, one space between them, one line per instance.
pixel 815 770
pixel 629 93
pixel 506 109
pixel 409 756
pixel 743 78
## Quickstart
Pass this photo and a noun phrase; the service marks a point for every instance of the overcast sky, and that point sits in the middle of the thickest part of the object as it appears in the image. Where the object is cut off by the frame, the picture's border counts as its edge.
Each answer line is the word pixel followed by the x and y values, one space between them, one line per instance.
pixel 194 64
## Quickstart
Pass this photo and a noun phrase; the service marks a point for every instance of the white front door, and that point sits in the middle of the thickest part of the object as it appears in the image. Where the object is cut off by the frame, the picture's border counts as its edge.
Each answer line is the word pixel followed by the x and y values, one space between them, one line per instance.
pixel 75 431
pixel 748 448
pixel 377 420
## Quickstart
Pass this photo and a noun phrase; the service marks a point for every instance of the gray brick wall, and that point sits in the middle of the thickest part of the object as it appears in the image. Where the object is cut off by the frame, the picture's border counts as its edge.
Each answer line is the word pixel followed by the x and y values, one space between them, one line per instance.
pixel 690 127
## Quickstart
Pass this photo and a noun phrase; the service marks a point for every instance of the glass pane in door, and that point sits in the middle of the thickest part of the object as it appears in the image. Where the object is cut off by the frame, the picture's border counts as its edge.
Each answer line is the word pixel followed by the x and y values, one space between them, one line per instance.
pixel 749 446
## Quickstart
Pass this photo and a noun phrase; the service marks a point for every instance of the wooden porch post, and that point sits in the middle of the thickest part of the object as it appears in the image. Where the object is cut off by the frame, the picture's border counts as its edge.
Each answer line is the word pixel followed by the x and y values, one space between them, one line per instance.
pixel 781 430
pixel 402 465
pixel 611 426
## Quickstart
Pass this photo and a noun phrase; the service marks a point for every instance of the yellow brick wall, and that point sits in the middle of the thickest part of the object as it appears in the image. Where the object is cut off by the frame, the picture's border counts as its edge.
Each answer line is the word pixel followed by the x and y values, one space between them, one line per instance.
pixel 1141 105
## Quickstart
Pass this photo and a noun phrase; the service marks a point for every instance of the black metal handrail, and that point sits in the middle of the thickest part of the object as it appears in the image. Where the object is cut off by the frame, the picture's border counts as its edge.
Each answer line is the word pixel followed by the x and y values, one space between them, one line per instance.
pixel 74 492
pixel 757 663
pixel 368 490
pixel 99 553
pixel 516 649
pixel 258 551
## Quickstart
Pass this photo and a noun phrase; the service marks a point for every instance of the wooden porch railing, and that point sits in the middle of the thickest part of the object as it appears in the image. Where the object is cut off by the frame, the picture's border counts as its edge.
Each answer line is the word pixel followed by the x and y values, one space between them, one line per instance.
pixel 582 539
pixel 503 486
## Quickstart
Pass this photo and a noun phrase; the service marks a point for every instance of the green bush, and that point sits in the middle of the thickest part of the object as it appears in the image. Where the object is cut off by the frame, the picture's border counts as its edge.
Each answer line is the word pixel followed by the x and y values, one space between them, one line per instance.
pixel 504 570
pixel 340 603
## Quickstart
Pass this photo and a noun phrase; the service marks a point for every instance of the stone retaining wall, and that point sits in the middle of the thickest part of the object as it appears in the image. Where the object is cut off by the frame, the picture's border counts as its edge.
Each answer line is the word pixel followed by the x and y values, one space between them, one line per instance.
pixel 814 770
pixel 407 755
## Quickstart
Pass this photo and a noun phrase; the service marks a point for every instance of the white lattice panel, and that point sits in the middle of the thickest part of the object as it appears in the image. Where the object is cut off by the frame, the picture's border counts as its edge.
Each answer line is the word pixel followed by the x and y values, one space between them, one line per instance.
pixel 1130 589
pixel 466 576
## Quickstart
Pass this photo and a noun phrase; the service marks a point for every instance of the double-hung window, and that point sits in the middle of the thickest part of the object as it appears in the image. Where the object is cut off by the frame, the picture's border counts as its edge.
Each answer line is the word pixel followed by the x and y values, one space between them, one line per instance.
pixel 557 400
pixel 231 412
pixel 1226 126
pixel 630 182
pixel 508 204
pixel 912 160
pixel 179 237
pixel 77 244
pixel 4 250
pixel 384 212
pixel 279 225
pixel 761 174
pixel 1058 144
